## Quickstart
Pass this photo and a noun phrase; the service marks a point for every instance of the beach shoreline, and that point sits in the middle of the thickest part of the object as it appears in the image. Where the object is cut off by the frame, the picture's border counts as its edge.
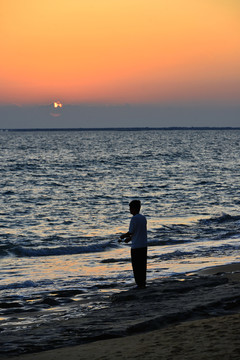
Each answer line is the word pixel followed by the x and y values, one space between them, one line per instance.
pixel 206 339
pixel 178 318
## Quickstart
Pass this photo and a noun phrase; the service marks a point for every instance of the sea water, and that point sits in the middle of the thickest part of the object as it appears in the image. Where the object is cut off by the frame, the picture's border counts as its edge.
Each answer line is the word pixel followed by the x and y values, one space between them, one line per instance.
pixel 64 203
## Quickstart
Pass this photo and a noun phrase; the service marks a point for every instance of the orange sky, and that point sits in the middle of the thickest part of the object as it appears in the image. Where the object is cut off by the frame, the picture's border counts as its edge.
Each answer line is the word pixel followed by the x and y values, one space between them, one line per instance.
pixel 118 51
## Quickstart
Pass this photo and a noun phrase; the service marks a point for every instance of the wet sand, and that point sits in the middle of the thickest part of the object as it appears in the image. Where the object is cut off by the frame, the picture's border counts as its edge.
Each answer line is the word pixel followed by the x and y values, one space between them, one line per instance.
pixel 196 316
pixel 208 339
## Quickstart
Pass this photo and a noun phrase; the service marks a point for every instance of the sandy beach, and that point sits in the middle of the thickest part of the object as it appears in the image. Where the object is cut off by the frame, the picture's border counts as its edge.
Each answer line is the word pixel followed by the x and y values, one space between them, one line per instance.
pixel 194 317
pixel 216 338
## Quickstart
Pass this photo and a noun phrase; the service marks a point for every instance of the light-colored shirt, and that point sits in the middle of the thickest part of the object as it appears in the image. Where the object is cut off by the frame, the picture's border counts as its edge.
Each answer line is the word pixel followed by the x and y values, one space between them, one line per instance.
pixel 138 229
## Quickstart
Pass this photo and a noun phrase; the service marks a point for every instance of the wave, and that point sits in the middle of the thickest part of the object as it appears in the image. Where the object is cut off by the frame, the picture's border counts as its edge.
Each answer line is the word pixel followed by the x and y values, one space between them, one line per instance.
pixel 19 285
pixel 21 251
pixel 168 242
pixel 220 219
pixel 218 251
pixel 214 228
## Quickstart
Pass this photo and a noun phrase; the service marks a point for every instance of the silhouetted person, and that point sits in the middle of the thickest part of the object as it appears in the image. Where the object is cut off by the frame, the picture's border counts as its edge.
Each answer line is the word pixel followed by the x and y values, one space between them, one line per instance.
pixel 138 235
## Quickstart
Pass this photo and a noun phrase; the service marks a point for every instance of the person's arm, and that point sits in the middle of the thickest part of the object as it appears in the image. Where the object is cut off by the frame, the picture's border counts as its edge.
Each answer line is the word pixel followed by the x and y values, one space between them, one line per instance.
pixel 123 236
pixel 128 235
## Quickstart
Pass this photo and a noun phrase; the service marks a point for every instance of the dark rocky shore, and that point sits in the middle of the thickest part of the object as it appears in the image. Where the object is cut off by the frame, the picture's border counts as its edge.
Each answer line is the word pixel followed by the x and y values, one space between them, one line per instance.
pixel 163 302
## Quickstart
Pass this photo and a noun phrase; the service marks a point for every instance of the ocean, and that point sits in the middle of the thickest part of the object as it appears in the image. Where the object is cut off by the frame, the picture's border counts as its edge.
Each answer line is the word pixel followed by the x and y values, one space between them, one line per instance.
pixel 64 203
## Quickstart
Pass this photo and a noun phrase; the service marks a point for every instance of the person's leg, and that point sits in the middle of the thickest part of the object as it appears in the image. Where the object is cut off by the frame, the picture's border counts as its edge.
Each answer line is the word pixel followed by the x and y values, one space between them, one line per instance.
pixel 139 265
pixel 144 266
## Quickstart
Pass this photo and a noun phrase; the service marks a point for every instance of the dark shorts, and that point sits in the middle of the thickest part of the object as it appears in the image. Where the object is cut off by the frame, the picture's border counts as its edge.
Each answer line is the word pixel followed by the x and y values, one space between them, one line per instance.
pixel 139 265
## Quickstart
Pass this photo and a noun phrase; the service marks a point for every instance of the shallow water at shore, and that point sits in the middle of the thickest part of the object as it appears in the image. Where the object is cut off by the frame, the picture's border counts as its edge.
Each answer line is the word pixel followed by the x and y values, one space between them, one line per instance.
pixel 164 302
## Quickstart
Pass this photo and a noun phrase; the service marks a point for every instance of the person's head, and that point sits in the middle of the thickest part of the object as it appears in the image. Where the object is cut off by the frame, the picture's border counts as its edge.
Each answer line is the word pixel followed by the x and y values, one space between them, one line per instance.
pixel 135 206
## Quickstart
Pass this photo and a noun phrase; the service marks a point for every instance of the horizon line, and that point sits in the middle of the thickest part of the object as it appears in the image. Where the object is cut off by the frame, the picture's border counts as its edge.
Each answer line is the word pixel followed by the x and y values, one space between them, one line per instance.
pixel 124 128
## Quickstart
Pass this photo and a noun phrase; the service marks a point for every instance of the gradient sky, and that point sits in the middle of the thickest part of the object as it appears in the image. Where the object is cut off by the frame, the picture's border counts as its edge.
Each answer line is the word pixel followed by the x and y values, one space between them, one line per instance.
pixel 119 51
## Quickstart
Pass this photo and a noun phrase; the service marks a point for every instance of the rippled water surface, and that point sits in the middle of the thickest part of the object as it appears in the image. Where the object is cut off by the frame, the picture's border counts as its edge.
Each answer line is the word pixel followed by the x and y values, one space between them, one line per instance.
pixel 64 202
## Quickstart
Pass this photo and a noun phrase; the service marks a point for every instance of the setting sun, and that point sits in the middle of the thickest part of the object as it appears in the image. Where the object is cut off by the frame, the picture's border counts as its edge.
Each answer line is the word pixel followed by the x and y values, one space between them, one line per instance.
pixel 57 104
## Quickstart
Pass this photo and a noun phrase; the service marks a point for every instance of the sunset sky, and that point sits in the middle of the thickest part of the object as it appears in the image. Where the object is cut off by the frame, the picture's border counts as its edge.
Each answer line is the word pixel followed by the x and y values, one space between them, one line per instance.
pixel 119 51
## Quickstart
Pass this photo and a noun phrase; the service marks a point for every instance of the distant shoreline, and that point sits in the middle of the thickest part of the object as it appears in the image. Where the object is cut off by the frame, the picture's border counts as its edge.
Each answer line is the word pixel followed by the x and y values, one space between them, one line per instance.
pixel 123 129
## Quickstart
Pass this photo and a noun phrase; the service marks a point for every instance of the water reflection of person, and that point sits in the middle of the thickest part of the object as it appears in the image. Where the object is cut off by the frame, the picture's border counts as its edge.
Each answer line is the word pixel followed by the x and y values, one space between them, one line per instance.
pixel 138 235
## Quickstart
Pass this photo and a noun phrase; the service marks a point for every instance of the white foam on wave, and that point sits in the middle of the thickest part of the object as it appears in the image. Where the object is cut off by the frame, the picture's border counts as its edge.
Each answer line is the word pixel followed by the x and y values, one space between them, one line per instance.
pixel 60 250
